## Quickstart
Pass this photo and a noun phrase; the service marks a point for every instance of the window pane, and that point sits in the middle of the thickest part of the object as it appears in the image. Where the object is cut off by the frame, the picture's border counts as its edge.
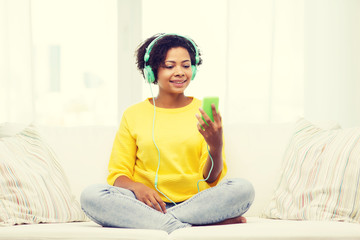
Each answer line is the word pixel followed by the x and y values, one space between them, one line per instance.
pixel 75 61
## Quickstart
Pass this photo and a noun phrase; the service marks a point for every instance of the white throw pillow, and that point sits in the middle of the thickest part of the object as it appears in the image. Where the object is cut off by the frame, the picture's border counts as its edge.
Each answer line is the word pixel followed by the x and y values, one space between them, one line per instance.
pixel 33 186
pixel 320 176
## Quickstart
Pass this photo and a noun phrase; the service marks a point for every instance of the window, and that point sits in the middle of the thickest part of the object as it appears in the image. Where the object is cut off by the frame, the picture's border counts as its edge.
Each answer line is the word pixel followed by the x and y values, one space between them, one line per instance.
pixel 75 61
pixel 84 66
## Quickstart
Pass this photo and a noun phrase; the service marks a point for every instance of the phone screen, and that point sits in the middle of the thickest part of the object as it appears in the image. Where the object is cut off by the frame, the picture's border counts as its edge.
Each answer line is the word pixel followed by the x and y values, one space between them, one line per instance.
pixel 206 105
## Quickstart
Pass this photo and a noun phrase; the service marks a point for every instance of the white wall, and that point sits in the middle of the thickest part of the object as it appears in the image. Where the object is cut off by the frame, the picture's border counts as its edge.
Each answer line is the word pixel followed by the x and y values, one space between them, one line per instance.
pixel 332 61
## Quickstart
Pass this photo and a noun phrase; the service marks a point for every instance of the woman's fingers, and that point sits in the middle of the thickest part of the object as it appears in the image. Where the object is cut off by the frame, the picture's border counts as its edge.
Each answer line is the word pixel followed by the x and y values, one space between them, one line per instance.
pixel 216 115
pixel 158 205
pixel 150 197
pixel 205 120
pixel 161 204
pixel 211 131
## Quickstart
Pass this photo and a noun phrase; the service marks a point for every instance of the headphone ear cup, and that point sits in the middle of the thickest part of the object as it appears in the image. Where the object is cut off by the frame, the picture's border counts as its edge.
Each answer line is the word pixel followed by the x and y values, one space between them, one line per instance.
pixel 149 74
pixel 194 69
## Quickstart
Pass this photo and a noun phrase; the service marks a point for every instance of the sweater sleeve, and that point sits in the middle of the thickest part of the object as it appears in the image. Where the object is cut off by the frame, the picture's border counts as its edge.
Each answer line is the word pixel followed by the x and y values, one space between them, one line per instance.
pixel 123 155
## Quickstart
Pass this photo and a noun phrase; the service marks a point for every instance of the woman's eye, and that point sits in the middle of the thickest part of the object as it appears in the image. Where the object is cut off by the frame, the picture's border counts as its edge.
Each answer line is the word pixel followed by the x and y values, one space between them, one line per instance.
pixel 186 66
pixel 169 67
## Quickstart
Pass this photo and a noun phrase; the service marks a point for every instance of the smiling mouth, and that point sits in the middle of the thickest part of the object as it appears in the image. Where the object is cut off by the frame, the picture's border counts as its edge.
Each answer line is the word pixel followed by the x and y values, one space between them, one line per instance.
pixel 178 82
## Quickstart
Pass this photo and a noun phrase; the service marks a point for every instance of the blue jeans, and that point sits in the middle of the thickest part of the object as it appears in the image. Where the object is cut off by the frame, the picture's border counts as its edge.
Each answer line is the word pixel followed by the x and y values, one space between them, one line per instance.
pixel 112 206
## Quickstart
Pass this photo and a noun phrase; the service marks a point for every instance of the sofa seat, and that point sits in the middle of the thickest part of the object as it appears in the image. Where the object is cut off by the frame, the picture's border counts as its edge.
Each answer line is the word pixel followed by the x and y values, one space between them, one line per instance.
pixel 256 228
pixel 76 231
pixel 268 229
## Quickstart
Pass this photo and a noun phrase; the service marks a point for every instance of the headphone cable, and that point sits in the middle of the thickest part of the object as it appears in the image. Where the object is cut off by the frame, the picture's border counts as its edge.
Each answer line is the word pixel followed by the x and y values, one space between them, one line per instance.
pixel 153 137
pixel 211 168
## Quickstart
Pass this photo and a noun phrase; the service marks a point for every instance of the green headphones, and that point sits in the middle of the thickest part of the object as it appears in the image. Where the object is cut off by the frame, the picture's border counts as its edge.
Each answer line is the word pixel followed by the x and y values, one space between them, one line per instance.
pixel 148 72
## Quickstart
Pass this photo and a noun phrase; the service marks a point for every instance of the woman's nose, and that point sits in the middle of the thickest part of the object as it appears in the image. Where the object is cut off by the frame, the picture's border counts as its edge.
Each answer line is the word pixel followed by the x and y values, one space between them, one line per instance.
pixel 179 72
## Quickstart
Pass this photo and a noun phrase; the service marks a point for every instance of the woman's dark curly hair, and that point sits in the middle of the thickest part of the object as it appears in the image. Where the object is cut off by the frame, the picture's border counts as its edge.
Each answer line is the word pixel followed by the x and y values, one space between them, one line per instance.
pixel 160 49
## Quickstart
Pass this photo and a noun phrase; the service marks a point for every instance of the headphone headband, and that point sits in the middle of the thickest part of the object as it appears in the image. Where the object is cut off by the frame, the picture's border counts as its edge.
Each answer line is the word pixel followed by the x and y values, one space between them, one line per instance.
pixel 151 45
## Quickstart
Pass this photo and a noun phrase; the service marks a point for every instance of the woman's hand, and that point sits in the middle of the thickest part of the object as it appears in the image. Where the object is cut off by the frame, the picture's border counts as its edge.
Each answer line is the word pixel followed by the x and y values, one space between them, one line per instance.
pixel 143 193
pixel 213 135
pixel 212 131
pixel 149 196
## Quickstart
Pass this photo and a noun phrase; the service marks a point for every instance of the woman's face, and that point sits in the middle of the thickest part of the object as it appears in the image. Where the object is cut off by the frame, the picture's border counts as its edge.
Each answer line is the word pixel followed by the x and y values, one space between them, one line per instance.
pixel 175 73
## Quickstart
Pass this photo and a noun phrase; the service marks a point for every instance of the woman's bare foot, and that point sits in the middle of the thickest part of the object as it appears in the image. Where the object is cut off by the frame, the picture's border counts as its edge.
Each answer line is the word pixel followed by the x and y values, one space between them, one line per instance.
pixel 235 220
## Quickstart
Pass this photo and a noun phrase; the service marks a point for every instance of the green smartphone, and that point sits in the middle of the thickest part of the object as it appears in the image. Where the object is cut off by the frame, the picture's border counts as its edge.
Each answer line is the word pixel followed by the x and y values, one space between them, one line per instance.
pixel 206 106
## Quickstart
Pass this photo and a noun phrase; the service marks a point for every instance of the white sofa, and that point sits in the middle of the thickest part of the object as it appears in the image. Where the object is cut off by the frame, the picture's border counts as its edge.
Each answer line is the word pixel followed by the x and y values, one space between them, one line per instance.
pixel 254 152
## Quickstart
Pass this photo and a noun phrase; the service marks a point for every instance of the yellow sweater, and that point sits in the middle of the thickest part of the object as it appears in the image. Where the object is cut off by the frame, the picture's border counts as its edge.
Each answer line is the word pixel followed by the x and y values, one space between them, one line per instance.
pixel 183 150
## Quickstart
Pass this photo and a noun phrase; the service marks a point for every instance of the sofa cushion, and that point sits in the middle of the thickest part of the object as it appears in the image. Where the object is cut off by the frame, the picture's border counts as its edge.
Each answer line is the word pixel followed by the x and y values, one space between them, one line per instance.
pixel 33 185
pixel 9 129
pixel 83 152
pixel 255 152
pixel 269 229
pixel 320 176
pixel 78 231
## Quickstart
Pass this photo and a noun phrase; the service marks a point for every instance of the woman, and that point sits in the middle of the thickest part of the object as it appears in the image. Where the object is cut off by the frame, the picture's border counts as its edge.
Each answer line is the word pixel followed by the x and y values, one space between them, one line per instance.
pixel 167 163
